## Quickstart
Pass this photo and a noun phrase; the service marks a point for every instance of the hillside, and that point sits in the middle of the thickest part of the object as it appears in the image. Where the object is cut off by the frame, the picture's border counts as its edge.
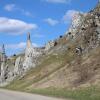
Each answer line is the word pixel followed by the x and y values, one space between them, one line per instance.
pixel 72 67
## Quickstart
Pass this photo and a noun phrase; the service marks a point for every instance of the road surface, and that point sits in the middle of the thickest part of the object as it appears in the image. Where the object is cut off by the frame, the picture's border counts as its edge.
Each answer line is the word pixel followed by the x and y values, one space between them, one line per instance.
pixel 12 95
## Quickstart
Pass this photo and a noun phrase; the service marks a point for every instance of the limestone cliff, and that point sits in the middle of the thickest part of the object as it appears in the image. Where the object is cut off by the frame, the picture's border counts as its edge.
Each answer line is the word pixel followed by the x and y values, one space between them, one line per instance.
pixel 31 55
pixel 70 61
pixel 18 65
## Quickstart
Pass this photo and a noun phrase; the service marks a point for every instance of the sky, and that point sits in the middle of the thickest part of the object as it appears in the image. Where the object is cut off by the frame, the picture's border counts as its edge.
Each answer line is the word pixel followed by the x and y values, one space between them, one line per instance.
pixel 45 19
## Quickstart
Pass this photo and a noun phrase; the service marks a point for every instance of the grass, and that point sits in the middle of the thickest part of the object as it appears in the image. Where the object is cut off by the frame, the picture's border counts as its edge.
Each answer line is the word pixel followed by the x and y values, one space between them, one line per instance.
pixel 34 75
pixel 90 93
pixel 87 93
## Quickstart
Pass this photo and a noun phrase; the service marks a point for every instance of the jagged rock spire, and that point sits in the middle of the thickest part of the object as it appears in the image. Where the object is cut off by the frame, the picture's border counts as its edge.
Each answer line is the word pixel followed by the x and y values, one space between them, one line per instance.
pixel 28 54
pixel 2 67
pixel 29 43
pixel 28 36
pixel 3 53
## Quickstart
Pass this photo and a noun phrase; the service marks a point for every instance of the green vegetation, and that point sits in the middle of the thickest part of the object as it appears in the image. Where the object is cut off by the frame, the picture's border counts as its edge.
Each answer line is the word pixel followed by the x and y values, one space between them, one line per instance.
pixel 90 93
pixel 49 65
pixel 55 61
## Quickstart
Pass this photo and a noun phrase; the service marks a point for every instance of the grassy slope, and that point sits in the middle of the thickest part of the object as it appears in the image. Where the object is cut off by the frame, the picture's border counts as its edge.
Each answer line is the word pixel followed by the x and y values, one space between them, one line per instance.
pixel 90 93
pixel 49 65
pixel 37 74
pixel 87 67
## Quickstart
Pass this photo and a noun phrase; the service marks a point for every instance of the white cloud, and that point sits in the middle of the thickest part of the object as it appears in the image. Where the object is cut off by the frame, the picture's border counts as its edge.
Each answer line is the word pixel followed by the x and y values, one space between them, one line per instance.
pixel 16 46
pixel 26 13
pixel 67 18
pixel 51 21
pixel 20 45
pixel 13 7
pixel 58 1
pixel 14 26
pixel 10 7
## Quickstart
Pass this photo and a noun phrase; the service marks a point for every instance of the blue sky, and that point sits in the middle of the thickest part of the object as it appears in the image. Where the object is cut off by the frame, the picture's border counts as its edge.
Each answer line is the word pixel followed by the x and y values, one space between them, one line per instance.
pixel 44 19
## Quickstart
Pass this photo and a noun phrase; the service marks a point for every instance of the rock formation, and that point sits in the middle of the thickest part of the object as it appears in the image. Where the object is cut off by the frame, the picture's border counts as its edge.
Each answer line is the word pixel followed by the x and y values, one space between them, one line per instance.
pixel 77 21
pixel 84 31
pixel 3 64
pixel 17 66
pixel 30 55
pixel 49 45
pixel 18 70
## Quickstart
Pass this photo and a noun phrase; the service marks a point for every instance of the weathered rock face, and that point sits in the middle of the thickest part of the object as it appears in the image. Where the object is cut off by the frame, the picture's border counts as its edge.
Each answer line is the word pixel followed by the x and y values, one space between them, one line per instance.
pixel 49 45
pixel 29 60
pixel 3 64
pixel 77 21
pixel 85 29
pixel 20 65
pixel 30 55
pixel 18 70
pixel 2 76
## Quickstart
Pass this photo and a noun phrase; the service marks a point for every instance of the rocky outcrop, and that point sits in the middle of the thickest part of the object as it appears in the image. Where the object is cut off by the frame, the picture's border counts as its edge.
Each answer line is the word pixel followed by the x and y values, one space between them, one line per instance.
pixel 18 69
pixel 2 76
pixel 3 64
pixel 77 21
pixel 18 65
pixel 83 36
pixel 85 29
pixel 49 45
pixel 31 54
